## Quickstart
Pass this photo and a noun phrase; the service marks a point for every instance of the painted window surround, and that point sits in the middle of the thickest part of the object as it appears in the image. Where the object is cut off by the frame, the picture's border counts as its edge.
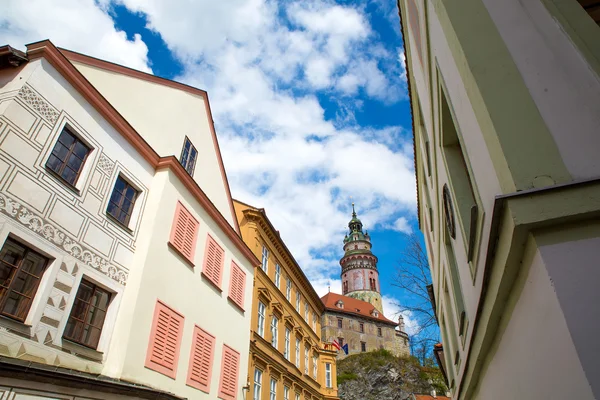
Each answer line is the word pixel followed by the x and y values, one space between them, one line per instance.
pixel 56 258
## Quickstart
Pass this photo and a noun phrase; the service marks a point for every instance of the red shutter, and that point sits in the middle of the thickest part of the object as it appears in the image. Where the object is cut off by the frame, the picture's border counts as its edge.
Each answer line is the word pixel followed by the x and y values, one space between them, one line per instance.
pixel 200 368
pixel 165 339
pixel 214 259
pixel 184 232
pixel 230 365
pixel 237 285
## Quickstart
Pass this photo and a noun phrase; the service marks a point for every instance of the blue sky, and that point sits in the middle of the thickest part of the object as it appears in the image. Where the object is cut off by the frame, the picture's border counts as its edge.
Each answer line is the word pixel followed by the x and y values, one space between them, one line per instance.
pixel 309 99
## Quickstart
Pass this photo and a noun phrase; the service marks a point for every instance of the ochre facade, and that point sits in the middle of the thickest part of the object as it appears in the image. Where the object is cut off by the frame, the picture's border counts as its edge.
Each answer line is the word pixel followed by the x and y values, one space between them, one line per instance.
pixel 287 359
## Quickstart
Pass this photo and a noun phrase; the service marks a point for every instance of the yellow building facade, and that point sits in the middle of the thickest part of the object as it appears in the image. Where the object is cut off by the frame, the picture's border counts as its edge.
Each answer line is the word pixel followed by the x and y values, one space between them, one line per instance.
pixel 287 359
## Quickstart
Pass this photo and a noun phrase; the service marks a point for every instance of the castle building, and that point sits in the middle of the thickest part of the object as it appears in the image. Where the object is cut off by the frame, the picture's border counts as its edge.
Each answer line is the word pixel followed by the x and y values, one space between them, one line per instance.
pixel 505 103
pixel 356 317
pixel 288 357
pixel 122 269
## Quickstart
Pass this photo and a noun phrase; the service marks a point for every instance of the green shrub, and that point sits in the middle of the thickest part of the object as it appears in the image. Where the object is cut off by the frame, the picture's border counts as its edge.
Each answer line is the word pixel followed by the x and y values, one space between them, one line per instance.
pixel 345 377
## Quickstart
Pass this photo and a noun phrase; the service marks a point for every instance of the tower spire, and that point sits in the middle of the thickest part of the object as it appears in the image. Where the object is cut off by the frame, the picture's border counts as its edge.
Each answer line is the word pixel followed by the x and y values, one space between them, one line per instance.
pixel 353 212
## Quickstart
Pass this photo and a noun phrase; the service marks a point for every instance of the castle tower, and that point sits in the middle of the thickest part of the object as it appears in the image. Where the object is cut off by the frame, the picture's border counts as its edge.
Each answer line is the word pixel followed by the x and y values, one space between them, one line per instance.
pixel 360 278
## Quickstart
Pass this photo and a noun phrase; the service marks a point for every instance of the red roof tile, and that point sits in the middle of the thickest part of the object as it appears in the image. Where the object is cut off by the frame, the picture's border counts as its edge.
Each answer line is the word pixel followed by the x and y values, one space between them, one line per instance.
pixel 353 306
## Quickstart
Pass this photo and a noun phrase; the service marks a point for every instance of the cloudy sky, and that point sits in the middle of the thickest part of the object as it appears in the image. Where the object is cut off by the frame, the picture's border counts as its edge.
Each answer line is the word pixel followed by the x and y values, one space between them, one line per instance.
pixel 309 99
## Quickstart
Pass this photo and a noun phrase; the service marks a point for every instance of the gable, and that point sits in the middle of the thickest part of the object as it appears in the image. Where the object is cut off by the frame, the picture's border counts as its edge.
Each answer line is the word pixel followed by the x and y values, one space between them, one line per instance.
pixel 164 113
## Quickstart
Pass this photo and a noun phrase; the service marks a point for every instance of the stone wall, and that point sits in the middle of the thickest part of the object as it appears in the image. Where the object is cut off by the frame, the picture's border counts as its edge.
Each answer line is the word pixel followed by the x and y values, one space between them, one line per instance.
pixel 390 339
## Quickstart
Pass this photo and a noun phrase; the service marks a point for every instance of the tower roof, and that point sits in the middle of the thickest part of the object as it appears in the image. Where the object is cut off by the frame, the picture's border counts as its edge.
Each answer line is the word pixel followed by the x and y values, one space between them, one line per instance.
pixel 355 225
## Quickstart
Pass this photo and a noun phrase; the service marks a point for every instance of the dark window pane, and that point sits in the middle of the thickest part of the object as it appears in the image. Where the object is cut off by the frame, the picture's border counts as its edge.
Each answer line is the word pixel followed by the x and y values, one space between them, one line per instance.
pixel 66 138
pixel 85 292
pixel 69 175
pixel 123 217
pixel 6 273
pixel 116 197
pixel 112 209
pixel 60 152
pixel 96 317
pixel 80 150
pixel 74 329
pixel 78 310
pixel 34 264
pixel 91 336
pixel 75 163
pixel 20 278
pixel 127 205
pixel 54 163
pixel 120 185
pixel 130 193
pixel 101 299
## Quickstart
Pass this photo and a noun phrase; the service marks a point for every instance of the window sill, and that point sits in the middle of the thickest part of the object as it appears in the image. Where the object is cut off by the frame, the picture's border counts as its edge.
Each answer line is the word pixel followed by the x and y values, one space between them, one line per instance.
pixel 234 303
pixel 206 277
pixel 119 223
pixel 81 350
pixel 62 181
pixel 180 254
pixel 16 326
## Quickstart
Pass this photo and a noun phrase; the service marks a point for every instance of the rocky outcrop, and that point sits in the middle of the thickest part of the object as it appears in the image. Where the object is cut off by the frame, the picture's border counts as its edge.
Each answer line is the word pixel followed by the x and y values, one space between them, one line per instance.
pixel 379 375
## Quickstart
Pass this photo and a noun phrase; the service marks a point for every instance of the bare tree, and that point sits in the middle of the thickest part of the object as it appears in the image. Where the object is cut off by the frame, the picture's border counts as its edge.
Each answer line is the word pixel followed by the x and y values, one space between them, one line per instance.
pixel 412 277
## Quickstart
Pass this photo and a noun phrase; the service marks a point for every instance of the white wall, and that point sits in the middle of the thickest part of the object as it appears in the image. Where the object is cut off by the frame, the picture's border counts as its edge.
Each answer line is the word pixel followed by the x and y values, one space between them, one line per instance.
pixel 533 356
pixel 563 86
pixel 164 116
pixel 162 274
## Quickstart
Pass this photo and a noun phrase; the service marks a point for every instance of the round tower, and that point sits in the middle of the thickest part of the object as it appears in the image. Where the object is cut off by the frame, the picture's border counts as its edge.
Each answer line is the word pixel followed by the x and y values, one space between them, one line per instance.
pixel 360 278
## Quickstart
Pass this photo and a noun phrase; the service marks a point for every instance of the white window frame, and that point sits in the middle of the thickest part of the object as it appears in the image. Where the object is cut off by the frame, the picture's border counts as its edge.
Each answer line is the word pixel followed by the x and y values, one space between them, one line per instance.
pixel 306 360
pixel 314 321
pixel 265 259
pixel 288 289
pixel 297 396
pixel 315 367
pixel 261 319
pixel 286 350
pixel 306 311
pixel 257 383
pixel 274 330
pixel 297 353
pixel 328 375
pixel 273 390
pixel 298 301
pixel 286 393
pixel 277 275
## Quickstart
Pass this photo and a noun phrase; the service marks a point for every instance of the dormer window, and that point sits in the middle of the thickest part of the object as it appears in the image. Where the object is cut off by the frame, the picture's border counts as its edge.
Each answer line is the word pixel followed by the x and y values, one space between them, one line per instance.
pixel 339 304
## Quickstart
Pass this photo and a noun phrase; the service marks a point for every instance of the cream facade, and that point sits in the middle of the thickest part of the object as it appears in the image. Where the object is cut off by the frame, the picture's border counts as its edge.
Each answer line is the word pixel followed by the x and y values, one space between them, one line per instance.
pixel 130 241
pixel 288 357
pixel 505 116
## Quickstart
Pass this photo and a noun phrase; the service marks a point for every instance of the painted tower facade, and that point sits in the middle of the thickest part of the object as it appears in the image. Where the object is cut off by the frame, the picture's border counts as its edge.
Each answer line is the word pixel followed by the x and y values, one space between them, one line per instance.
pixel 360 278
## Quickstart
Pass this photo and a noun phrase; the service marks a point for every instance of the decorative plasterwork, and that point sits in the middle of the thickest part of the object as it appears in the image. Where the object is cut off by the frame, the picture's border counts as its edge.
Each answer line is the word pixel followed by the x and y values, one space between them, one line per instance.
pixel 105 164
pixel 264 294
pixel 38 103
pixel 37 224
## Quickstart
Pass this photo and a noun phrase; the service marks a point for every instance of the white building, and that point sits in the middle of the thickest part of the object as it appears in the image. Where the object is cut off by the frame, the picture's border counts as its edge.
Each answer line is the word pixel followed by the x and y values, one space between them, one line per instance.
pixel 122 270
pixel 505 98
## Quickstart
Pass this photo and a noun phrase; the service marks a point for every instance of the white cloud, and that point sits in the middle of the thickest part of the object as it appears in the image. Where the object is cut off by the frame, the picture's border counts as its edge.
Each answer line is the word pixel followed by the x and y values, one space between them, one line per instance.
pixel 402 225
pixel 266 65
pixel 83 26
pixel 391 309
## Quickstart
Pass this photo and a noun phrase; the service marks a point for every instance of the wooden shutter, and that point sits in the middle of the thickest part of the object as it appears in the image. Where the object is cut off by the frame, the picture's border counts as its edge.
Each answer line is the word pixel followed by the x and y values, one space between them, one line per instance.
pixel 237 285
pixel 165 339
pixel 214 259
pixel 184 232
pixel 200 368
pixel 230 365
